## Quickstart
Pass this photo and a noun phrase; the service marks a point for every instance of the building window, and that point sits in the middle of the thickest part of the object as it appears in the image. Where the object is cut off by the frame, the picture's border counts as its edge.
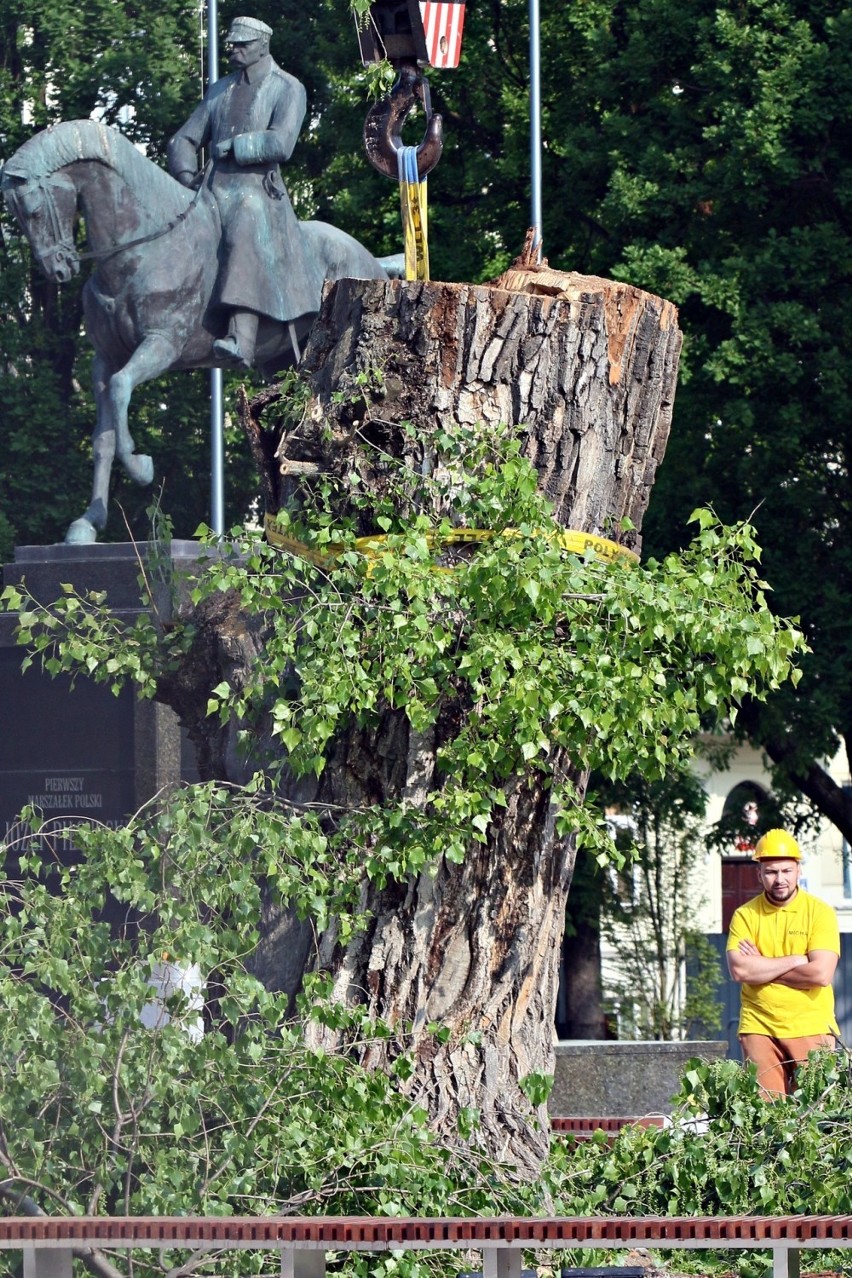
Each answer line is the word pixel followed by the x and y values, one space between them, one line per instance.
pixel 740 821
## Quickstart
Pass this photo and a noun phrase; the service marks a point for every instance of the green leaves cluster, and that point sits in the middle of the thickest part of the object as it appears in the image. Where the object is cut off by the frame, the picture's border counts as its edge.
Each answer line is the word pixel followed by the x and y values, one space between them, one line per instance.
pixel 81 636
pixel 539 656
pixel 726 1151
pixel 538 659
pixel 101 1113
pixel 117 1096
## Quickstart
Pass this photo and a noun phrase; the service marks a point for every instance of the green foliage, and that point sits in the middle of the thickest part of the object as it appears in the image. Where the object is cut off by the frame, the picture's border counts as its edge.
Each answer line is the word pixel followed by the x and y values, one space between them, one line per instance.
pixel 114 1102
pixel 535 655
pixel 727 1151
pixel 704 152
pixel 529 655
pixel 118 1096
pixel 532 655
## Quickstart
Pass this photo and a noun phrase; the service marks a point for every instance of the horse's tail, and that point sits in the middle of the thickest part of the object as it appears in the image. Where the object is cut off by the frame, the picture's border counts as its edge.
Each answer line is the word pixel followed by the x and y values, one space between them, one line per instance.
pixel 340 256
pixel 393 265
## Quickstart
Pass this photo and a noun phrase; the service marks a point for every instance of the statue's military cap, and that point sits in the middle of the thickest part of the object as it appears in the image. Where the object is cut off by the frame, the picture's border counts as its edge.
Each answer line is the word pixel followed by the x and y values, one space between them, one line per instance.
pixel 244 29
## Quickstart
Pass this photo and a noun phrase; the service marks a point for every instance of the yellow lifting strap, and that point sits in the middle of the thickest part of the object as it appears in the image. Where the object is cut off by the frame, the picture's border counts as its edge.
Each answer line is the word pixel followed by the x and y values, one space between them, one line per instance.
pixel 412 194
pixel 372 547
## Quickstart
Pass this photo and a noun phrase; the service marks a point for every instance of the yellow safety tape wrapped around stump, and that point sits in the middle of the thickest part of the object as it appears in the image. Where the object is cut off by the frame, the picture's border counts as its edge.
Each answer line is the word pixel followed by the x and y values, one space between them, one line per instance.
pixel 372 547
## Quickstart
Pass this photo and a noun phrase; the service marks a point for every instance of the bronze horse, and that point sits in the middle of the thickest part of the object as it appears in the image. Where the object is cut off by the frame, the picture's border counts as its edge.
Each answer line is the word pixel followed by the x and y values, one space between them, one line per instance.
pixel 148 301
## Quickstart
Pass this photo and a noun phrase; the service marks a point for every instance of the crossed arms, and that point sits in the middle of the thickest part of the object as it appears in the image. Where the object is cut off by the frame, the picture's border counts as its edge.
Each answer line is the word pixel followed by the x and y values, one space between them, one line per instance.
pixel 799 971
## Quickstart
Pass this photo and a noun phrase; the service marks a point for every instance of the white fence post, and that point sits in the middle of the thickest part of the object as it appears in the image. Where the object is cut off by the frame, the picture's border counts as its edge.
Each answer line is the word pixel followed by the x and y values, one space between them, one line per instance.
pixel 47 1262
pixel 299 1262
pixel 785 1261
pixel 501 1262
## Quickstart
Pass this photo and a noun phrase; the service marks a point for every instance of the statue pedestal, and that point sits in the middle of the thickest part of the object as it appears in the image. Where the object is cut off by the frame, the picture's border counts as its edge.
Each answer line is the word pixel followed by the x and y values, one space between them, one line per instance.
pixel 82 753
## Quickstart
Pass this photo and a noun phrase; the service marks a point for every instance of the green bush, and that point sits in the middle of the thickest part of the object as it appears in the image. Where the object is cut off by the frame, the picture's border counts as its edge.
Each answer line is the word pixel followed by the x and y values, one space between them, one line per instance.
pixel 727 1151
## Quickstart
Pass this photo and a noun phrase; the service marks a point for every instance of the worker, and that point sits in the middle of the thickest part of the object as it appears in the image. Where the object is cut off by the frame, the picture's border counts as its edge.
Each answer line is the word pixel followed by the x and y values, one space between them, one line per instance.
pixel 783 948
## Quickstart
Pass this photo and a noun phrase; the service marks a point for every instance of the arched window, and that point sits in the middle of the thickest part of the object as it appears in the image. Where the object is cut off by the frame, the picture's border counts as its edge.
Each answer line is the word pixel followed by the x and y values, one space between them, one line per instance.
pixel 740 822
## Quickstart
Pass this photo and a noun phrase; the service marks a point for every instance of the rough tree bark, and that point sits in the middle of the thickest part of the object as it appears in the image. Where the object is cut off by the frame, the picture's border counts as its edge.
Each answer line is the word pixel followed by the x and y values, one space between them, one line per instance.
pixel 588 367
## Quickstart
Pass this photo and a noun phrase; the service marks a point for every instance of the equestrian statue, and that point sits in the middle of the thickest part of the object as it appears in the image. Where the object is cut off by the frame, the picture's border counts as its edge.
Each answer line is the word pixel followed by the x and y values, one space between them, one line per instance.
pixel 194 268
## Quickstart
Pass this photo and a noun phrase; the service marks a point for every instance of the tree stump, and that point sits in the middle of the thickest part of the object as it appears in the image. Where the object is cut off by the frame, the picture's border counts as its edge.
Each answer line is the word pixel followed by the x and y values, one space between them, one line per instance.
pixel 587 366
pixel 587 369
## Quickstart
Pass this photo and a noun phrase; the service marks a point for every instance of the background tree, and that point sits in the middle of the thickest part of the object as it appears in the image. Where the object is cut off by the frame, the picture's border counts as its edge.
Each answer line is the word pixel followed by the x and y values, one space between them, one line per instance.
pixel 705 154
pixel 662 973
pixel 580 1013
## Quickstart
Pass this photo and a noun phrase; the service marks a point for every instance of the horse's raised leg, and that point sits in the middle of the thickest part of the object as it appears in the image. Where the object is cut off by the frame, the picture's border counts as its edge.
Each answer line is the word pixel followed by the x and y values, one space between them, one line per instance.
pixel 113 389
pixel 154 356
pixel 85 529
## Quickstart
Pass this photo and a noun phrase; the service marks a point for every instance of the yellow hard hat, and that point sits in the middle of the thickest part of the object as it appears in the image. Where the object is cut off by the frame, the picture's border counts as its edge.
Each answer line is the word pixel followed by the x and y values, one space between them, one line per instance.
pixel 777 843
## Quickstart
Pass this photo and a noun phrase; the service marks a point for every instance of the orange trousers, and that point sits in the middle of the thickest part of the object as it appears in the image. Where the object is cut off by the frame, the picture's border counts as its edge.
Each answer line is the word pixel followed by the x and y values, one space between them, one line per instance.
pixel 777 1058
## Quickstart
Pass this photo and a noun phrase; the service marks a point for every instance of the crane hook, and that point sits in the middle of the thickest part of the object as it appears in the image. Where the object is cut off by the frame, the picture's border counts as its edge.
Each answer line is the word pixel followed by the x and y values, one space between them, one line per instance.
pixel 383 125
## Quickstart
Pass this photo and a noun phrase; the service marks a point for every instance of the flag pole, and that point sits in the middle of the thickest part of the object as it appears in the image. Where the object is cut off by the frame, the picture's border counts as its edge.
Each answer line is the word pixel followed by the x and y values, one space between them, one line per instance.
pixel 217 430
pixel 535 121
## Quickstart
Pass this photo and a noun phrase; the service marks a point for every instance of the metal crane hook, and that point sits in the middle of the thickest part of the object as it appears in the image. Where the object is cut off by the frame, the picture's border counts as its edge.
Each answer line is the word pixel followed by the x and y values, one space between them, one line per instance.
pixel 383 125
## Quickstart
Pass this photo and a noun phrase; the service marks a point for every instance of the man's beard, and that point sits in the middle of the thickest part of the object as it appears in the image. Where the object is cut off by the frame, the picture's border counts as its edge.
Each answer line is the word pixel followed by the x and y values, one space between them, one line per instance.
pixel 781 892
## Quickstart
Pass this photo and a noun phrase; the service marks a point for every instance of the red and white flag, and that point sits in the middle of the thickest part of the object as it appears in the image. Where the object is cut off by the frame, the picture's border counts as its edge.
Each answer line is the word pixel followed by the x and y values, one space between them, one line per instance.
pixel 442 24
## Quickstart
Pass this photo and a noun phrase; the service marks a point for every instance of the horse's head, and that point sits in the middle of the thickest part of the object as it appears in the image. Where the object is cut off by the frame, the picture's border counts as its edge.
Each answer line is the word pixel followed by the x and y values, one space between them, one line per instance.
pixel 45 208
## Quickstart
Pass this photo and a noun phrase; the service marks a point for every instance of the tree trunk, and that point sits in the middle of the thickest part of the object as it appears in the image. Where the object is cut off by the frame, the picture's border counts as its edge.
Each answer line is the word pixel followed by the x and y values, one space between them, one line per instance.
pixel 587 367
pixel 585 1017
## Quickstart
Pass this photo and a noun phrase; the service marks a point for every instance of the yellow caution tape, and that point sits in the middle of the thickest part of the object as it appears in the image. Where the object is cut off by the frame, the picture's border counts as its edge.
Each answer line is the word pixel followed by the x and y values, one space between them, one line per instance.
pixel 412 195
pixel 298 548
pixel 374 546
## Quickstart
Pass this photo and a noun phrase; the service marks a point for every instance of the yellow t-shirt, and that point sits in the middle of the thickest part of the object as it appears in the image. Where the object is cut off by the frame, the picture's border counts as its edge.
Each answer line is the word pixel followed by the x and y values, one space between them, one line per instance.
pixel 799 926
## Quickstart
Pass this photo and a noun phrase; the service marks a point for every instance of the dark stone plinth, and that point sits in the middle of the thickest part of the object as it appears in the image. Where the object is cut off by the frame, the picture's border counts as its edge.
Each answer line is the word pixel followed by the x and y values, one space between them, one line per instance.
pixel 112 567
pixel 618 1079
pixel 81 753
pixel 68 753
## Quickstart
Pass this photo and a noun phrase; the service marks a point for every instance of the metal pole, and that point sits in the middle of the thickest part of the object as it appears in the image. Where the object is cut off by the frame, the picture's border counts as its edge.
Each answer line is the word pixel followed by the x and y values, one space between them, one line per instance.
pixel 217 429
pixel 535 121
